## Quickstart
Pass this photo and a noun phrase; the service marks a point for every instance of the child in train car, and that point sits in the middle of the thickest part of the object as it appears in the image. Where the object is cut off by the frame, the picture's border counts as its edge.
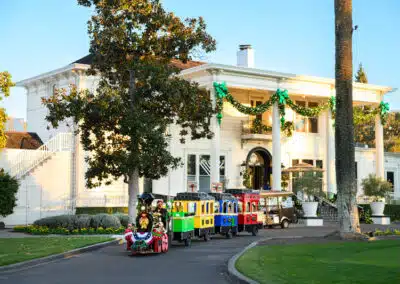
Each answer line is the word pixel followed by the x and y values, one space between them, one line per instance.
pixel 128 236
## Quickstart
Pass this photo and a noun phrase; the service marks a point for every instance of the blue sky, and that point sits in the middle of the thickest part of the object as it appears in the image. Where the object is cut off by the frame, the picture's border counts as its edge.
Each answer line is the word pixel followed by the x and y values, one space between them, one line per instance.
pixel 295 36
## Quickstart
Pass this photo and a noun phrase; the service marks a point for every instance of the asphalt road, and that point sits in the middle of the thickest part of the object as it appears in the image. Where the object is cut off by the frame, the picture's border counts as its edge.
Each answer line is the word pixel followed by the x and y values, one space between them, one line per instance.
pixel 203 262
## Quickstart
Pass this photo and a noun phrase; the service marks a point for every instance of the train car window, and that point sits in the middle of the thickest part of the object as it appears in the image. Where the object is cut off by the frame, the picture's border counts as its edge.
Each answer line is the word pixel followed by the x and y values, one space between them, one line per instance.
pixel 202 208
pixel 230 208
pixel 225 207
pixel 235 208
pixel 195 207
pixel 254 207
pixel 247 207
pixel 240 207
pixel 212 207
pixel 191 207
pixel 216 207
pixel 207 207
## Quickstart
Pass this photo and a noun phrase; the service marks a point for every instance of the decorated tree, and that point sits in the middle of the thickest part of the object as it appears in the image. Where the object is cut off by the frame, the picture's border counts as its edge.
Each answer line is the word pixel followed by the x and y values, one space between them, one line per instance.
pixel 5 84
pixel 123 125
pixel 344 131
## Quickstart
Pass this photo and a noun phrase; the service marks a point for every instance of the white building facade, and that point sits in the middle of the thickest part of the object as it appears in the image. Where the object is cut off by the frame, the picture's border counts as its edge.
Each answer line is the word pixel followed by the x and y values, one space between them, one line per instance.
pixel 222 159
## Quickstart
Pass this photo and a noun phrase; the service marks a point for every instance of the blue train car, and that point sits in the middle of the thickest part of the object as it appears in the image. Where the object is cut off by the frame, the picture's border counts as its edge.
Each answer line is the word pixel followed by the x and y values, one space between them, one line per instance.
pixel 225 214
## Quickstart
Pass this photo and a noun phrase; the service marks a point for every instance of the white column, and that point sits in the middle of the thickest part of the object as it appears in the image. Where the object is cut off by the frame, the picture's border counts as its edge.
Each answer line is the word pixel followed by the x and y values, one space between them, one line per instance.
pixel 329 164
pixel 215 142
pixel 380 167
pixel 276 149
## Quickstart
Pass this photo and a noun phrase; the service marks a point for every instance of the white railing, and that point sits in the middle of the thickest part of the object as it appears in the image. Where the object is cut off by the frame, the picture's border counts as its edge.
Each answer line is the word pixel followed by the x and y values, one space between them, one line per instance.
pixel 27 160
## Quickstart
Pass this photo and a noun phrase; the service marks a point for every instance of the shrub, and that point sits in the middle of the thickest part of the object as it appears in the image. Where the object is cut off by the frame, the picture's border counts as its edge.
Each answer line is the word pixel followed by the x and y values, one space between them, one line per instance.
pixel 376 187
pixel 124 219
pixel 99 210
pixel 8 191
pixel 83 221
pixel 68 222
pixel 308 183
pixel 105 221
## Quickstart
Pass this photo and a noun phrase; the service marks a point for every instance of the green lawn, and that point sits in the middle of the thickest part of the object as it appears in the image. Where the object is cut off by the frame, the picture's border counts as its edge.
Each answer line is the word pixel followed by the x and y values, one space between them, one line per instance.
pixel 14 250
pixel 361 262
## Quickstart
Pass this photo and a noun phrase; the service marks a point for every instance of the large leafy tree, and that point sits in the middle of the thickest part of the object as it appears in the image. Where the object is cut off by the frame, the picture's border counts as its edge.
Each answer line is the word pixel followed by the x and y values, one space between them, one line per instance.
pixel 344 131
pixel 5 84
pixel 123 125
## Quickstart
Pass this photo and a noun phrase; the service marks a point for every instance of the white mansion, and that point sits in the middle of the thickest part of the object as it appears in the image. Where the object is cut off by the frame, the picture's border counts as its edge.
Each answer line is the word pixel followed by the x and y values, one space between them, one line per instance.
pixel 52 175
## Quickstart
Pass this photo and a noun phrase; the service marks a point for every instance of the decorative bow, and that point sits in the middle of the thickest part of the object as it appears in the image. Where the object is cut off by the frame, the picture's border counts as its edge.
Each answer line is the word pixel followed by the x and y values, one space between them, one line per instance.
pixel 384 108
pixel 282 96
pixel 221 89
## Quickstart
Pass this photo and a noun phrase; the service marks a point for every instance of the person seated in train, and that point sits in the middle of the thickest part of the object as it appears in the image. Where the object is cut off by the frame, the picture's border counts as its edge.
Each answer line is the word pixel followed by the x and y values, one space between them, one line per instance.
pixel 162 211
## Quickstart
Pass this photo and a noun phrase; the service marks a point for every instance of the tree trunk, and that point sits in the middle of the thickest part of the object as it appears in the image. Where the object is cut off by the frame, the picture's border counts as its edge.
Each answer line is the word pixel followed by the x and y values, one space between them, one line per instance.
pixel 344 129
pixel 133 190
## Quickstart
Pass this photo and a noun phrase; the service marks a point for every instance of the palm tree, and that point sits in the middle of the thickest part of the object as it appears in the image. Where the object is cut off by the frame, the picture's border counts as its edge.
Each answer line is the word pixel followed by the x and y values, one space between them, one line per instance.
pixel 344 129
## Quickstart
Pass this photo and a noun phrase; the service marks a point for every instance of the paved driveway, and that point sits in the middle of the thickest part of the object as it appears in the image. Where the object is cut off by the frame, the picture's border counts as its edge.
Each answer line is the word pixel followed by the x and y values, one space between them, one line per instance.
pixel 201 263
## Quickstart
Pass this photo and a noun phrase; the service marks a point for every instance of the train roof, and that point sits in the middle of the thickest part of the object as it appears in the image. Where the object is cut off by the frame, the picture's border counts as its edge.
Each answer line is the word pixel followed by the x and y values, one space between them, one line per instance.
pixel 241 191
pixel 222 196
pixel 196 196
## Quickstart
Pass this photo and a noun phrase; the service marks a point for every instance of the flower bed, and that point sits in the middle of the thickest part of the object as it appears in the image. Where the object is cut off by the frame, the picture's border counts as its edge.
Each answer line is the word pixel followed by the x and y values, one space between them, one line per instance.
pixel 43 230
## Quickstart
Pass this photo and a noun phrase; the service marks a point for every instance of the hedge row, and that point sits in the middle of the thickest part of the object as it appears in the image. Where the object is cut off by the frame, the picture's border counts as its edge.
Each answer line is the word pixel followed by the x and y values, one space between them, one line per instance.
pixel 393 211
pixel 43 230
pixel 99 210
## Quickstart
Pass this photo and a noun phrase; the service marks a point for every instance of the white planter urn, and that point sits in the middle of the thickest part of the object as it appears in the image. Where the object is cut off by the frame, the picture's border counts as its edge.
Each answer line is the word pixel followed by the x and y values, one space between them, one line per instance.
pixel 310 209
pixel 377 208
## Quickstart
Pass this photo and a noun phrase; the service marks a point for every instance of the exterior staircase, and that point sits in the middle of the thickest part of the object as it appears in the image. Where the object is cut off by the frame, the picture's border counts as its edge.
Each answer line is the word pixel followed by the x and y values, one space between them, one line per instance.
pixel 327 210
pixel 27 160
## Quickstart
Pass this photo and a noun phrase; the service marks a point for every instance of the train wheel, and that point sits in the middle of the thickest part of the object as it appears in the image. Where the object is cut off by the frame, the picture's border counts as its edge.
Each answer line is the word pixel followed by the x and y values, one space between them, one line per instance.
pixel 229 234
pixel 188 241
pixel 254 231
pixel 285 224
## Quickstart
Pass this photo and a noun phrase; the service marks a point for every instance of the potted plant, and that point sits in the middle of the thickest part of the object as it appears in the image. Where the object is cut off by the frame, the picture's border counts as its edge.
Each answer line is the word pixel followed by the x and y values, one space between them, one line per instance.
pixel 309 186
pixel 377 188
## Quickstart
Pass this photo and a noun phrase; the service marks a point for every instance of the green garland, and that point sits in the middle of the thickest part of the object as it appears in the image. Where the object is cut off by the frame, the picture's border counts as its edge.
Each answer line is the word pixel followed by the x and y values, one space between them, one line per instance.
pixel 283 99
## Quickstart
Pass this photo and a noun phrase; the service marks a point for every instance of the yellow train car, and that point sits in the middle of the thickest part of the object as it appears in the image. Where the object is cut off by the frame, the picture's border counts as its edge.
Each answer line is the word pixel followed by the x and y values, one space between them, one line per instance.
pixel 201 205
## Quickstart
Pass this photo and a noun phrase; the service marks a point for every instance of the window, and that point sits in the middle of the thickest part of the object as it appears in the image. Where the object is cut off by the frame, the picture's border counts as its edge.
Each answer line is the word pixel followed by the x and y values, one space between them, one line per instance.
pixel 235 208
pixel 207 207
pixel 390 178
pixel 356 170
pixel 202 208
pixel 258 116
pixel 313 121
pixel 230 207
pixel 300 122
pixel 247 207
pixel 295 162
pixel 319 164
pixel 310 162
pixel 222 168
pixel 306 124
pixel 191 165
pixel 216 207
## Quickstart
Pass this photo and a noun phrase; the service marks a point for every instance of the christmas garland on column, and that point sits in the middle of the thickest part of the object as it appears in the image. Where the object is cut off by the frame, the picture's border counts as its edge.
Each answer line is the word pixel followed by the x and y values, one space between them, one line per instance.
pixel 283 99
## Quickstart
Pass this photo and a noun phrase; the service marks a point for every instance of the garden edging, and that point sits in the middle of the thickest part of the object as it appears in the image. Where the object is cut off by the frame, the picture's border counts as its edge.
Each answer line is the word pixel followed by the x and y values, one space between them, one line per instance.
pixel 43 260
pixel 234 273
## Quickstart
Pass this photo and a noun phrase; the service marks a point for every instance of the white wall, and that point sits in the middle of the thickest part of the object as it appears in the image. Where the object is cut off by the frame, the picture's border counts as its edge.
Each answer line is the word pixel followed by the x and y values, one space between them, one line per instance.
pixel 44 192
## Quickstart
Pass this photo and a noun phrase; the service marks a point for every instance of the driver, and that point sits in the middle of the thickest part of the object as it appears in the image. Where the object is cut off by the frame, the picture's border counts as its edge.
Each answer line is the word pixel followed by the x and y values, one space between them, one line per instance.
pixel 162 211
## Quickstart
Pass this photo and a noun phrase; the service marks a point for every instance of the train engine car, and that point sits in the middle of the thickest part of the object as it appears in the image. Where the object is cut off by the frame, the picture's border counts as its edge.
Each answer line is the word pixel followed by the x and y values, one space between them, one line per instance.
pixel 203 208
pixel 248 203
pixel 150 234
pixel 225 214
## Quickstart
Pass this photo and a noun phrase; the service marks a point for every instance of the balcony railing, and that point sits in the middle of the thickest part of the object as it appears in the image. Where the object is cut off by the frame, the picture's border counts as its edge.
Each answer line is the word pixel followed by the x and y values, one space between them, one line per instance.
pixel 256 126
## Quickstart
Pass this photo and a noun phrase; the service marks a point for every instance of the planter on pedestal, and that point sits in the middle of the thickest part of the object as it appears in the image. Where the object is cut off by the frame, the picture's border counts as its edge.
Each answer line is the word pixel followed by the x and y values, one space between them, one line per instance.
pixel 377 208
pixel 310 208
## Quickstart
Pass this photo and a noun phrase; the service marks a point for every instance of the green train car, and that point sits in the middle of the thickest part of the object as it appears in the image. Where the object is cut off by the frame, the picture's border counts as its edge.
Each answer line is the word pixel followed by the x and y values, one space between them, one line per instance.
pixel 182 223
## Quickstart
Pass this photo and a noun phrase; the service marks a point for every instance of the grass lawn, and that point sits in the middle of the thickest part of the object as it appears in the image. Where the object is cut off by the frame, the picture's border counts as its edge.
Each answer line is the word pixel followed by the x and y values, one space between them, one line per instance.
pixel 351 262
pixel 14 250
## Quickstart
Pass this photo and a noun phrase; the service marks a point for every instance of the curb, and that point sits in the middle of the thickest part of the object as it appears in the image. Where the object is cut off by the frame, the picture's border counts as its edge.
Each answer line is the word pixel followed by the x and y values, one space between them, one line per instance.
pixel 236 276
pixel 44 260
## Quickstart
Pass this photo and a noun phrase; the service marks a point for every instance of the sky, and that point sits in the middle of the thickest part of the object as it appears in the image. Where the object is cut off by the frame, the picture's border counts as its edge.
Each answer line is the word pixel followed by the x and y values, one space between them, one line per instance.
pixel 295 36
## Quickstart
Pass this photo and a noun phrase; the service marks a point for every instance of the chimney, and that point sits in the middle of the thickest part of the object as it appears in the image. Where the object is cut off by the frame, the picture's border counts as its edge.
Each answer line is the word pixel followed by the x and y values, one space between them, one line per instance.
pixel 245 56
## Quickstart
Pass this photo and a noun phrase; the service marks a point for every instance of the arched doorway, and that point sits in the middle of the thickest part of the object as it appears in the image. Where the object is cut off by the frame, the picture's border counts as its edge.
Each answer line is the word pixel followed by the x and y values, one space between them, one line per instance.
pixel 258 163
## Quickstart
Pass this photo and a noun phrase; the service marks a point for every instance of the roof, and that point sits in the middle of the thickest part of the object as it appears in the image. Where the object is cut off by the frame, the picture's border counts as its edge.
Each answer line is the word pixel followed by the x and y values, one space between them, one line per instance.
pixel 241 191
pixel 223 196
pixel 177 63
pixel 193 196
pixel 23 140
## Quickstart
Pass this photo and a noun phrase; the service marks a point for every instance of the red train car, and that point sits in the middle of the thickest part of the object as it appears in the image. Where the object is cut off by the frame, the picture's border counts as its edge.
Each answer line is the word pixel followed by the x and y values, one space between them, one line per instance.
pixel 248 201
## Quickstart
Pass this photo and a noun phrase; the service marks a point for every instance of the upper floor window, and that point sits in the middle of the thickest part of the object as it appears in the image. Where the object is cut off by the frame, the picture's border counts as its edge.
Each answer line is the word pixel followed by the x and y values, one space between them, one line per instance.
pixel 306 124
